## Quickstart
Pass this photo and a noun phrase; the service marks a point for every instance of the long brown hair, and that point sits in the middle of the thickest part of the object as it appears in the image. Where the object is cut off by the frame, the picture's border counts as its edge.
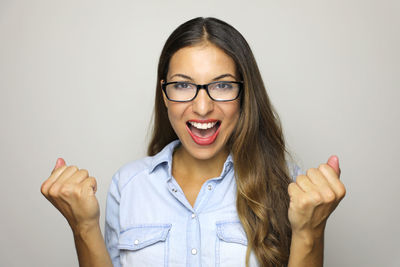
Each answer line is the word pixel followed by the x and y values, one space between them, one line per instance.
pixel 257 143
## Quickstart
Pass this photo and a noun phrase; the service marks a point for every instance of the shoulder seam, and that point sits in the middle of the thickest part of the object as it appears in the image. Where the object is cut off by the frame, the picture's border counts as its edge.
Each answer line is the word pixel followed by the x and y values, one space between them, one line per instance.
pixel 130 179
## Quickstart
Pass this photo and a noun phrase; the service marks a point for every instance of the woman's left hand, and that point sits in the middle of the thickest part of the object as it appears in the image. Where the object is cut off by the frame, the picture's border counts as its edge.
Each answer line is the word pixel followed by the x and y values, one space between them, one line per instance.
pixel 313 197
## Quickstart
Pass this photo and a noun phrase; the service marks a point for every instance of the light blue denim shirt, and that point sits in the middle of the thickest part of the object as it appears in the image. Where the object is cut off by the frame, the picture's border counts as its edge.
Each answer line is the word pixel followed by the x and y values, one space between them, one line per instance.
pixel 149 221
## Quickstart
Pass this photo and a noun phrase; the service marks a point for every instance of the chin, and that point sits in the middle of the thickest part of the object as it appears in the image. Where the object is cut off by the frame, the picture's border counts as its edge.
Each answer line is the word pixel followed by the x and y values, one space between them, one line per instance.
pixel 203 152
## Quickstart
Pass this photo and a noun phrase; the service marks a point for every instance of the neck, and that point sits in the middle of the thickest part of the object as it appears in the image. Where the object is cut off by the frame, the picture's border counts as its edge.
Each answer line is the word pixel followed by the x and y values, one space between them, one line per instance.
pixel 197 170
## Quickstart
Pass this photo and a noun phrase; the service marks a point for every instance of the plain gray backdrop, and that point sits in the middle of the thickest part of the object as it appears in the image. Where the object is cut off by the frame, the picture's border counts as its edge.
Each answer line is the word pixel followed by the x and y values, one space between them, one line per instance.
pixel 77 81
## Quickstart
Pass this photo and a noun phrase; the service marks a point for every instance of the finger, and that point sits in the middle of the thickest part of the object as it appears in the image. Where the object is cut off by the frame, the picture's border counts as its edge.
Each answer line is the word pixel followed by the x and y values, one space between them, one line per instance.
pixel 319 179
pixel 68 172
pixel 89 185
pixel 51 180
pixel 78 176
pixel 333 180
pixel 305 183
pixel 294 191
pixel 312 194
pixel 55 173
pixel 333 161
pixel 60 162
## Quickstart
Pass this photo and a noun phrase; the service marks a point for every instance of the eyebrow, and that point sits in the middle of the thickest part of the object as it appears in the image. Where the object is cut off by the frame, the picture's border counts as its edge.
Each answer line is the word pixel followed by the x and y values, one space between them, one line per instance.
pixel 223 76
pixel 190 78
pixel 182 76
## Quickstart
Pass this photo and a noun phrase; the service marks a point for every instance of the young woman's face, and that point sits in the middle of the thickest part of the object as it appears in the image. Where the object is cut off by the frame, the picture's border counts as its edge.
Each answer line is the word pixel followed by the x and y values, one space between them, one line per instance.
pixel 201 65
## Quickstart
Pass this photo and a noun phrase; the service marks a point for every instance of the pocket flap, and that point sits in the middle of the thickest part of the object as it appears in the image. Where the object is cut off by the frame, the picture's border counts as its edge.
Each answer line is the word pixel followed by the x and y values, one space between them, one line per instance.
pixel 138 237
pixel 231 231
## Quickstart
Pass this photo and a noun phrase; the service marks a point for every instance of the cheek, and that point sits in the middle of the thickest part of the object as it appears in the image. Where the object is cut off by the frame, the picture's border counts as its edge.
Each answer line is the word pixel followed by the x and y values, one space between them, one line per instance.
pixel 233 113
pixel 172 118
pixel 175 115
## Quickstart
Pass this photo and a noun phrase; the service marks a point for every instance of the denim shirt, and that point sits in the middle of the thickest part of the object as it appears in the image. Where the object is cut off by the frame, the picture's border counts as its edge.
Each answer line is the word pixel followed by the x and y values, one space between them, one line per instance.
pixel 149 221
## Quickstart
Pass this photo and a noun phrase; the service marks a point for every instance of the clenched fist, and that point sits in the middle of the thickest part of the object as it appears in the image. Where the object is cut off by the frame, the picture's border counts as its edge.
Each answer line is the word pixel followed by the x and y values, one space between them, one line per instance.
pixel 72 192
pixel 314 196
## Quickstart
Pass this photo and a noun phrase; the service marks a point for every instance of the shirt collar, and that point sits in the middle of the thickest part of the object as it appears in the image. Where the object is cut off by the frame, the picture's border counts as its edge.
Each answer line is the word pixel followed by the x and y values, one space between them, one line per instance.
pixel 228 164
pixel 165 155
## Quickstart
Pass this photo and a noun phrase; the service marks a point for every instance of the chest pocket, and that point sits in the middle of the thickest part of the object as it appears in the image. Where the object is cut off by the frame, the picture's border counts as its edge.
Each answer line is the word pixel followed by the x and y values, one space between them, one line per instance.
pixel 231 244
pixel 144 245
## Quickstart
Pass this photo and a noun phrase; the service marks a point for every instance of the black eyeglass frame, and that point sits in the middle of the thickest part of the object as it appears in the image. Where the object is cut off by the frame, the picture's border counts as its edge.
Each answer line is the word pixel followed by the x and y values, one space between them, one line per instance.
pixel 202 86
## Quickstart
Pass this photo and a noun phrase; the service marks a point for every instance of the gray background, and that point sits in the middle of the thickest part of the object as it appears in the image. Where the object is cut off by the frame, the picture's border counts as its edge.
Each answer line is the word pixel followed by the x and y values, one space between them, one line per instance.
pixel 77 80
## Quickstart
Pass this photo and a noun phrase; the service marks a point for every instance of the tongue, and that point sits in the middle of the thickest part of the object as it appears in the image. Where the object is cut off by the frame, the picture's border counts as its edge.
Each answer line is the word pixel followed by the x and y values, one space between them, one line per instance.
pixel 203 133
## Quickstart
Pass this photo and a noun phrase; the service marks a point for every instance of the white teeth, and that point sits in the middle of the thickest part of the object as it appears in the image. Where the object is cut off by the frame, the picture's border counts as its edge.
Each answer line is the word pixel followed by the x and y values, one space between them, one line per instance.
pixel 203 126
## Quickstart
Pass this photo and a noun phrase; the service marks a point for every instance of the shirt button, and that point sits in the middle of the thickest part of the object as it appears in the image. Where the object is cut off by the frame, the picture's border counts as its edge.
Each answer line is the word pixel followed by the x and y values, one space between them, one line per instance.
pixel 193 215
pixel 136 242
pixel 194 251
pixel 174 190
pixel 209 187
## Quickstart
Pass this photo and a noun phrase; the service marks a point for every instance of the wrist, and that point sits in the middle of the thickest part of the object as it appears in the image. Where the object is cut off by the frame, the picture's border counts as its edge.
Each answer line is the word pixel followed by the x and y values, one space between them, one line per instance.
pixel 307 239
pixel 86 229
pixel 306 249
pixel 309 232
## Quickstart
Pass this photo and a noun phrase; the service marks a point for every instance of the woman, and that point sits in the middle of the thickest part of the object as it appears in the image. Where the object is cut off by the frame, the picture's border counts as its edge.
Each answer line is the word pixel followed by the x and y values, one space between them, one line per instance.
pixel 216 189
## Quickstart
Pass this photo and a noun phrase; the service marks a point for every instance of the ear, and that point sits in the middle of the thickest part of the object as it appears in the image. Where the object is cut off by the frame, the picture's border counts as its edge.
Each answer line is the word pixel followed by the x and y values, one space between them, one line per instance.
pixel 164 96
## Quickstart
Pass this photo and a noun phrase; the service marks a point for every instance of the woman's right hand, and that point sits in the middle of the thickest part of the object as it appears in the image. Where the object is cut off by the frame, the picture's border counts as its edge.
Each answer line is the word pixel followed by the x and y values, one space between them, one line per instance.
pixel 72 192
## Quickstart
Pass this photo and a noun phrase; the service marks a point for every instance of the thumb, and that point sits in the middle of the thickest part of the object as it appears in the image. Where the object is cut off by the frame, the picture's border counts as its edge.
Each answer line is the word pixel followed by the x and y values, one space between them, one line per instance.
pixel 333 162
pixel 59 163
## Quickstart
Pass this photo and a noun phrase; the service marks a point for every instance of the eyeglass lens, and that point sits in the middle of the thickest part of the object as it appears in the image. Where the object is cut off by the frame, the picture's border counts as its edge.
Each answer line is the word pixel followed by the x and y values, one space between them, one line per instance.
pixel 182 91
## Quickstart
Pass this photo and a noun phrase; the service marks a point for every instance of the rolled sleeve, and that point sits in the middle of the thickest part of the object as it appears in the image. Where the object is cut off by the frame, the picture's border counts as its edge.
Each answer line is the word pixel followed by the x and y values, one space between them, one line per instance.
pixel 294 170
pixel 112 225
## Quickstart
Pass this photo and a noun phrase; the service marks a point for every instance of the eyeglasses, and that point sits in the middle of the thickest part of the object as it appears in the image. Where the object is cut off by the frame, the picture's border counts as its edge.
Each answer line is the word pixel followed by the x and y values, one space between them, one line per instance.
pixel 221 91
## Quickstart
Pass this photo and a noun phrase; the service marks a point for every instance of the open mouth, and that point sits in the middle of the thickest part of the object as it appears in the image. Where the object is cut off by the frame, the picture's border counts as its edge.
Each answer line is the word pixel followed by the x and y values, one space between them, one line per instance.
pixel 204 132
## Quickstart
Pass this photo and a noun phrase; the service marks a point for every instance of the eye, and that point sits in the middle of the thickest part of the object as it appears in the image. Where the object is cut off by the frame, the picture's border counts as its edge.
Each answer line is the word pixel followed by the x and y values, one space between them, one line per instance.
pixel 182 85
pixel 225 86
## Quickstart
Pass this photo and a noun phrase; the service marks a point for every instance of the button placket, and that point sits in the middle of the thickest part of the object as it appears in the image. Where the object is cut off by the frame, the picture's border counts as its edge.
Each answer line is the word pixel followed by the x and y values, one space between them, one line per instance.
pixel 193 239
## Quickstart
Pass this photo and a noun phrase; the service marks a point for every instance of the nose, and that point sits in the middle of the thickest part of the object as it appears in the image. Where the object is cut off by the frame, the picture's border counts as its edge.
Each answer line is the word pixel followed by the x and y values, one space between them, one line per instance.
pixel 202 104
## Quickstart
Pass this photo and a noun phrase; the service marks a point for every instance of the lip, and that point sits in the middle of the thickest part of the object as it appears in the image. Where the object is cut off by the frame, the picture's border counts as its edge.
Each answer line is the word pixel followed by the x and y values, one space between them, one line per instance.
pixel 201 140
pixel 204 121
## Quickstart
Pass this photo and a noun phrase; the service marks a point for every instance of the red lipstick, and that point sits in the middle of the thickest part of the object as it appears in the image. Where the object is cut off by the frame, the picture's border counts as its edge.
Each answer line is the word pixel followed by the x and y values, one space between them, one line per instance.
pixel 204 141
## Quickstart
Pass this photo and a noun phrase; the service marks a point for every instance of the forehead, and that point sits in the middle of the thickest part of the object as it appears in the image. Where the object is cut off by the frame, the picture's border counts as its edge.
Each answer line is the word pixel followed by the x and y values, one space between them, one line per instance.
pixel 202 62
